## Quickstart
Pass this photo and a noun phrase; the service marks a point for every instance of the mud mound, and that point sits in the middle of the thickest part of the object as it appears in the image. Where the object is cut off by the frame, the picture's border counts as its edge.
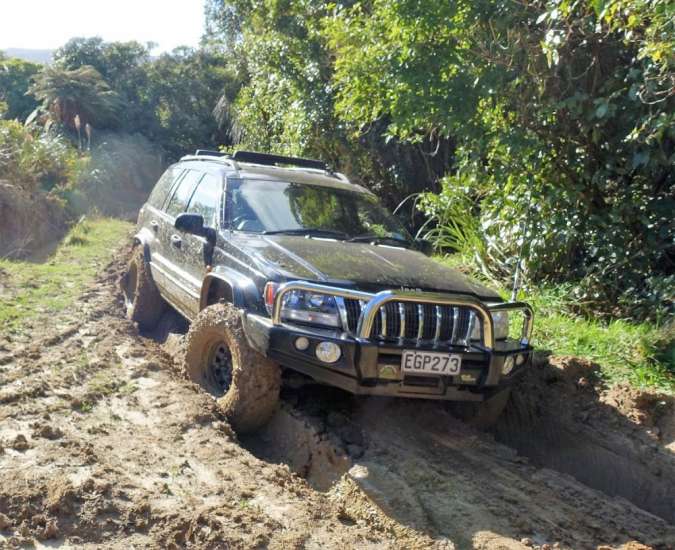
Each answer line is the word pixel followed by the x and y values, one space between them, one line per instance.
pixel 20 235
pixel 317 442
pixel 616 440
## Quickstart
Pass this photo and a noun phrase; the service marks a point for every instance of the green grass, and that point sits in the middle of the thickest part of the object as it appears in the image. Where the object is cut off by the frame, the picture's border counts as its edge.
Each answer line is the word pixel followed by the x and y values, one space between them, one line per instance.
pixel 641 354
pixel 32 290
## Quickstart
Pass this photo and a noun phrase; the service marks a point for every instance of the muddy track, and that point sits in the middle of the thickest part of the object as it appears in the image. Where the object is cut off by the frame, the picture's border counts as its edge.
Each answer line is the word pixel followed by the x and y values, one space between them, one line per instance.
pixel 104 444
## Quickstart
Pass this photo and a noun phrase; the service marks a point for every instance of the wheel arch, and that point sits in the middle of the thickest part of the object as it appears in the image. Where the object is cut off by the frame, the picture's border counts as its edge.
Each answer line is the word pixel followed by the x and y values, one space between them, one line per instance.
pixel 143 238
pixel 223 284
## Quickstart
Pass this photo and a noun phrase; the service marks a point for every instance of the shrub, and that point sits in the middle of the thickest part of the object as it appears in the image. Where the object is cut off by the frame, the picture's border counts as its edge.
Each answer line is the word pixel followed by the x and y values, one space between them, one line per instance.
pixel 35 160
pixel 617 259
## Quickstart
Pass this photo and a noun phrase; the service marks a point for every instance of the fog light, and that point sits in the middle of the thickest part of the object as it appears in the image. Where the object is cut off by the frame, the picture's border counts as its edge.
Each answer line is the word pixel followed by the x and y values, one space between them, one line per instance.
pixel 302 343
pixel 520 359
pixel 328 352
pixel 509 363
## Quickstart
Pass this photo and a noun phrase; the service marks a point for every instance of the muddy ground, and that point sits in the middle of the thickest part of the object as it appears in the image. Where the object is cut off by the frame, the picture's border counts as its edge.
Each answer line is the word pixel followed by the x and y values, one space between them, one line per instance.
pixel 103 444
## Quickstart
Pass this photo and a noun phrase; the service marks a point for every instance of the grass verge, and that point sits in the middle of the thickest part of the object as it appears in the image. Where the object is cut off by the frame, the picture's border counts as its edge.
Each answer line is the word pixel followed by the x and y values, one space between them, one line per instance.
pixel 30 290
pixel 641 354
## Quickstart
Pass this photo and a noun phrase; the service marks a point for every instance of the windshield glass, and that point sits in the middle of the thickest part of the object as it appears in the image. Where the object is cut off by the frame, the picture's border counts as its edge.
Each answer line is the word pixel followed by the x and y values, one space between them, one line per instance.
pixel 282 207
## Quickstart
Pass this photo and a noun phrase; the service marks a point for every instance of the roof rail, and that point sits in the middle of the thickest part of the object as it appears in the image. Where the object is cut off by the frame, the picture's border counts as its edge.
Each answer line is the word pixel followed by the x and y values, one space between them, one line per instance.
pixel 209 153
pixel 273 160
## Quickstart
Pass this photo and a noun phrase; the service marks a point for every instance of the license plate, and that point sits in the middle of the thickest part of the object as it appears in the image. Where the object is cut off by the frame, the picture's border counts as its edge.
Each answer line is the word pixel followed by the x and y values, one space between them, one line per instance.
pixel 429 362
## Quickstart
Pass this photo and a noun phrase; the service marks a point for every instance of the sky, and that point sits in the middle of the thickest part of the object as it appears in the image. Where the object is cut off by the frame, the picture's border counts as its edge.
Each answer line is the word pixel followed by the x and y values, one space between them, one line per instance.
pixel 48 24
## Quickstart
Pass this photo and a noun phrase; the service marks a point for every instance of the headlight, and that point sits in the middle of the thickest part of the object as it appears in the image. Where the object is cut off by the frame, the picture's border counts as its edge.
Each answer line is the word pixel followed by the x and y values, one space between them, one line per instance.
pixel 306 307
pixel 500 320
pixel 475 327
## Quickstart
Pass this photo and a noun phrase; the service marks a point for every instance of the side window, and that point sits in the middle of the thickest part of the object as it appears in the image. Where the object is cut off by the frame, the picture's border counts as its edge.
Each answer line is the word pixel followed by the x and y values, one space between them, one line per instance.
pixel 182 194
pixel 162 188
pixel 206 198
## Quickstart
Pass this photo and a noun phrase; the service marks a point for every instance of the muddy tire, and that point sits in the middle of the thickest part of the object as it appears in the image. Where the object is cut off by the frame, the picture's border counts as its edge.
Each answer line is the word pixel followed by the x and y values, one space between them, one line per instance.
pixel 482 414
pixel 142 299
pixel 219 358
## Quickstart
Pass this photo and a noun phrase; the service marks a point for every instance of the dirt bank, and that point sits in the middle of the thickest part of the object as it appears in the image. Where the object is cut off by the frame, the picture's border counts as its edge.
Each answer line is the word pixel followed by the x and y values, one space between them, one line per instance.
pixel 103 443
pixel 29 222
pixel 618 440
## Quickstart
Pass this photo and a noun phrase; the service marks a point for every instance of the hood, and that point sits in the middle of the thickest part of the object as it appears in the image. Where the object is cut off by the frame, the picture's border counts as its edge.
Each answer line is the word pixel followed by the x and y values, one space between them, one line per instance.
pixel 357 265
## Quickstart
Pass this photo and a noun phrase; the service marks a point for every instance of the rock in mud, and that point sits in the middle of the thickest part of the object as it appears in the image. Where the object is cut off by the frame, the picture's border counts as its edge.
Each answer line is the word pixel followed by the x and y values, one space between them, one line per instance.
pixel 51 530
pixel 48 432
pixel 61 496
pixel 20 443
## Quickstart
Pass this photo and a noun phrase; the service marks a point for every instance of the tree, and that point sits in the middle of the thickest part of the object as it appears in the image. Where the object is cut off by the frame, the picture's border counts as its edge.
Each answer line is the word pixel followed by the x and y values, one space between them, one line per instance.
pixel 124 66
pixel 15 79
pixel 287 102
pixel 184 88
pixel 82 92
pixel 179 100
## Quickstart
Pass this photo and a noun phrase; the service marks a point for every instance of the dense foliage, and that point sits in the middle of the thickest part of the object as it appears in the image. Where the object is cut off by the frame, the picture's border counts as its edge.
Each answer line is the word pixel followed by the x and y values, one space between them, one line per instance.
pixel 547 127
pixel 119 86
pixel 287 101
pixel 169 99
pixel 540 130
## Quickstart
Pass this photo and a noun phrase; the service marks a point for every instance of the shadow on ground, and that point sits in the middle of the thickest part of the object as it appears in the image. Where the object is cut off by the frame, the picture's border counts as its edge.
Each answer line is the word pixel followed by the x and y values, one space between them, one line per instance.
pixel 570 461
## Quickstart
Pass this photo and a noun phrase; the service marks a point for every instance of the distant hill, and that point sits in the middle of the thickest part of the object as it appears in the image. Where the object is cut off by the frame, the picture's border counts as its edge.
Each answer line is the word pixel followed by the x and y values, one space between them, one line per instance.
pixel 36 56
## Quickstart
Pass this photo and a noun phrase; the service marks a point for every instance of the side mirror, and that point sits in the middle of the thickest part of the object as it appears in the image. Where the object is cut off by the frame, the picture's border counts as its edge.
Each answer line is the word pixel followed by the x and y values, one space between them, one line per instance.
pixel 190 223
pixel 194 224
pixel 424 246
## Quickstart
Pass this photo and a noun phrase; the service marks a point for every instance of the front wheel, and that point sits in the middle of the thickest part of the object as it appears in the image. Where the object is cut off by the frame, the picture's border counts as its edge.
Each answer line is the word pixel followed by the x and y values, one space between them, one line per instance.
pixel 483 414
pixel 219 358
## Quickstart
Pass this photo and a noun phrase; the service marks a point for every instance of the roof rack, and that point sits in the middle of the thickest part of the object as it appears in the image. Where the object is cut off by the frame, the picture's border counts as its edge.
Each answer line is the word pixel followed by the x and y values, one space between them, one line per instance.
pixel 273 160
pixel 209 153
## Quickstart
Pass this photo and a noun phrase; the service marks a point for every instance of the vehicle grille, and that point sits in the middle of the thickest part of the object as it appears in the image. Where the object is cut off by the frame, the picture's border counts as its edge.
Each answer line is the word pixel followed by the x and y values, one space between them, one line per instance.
pixel 398 321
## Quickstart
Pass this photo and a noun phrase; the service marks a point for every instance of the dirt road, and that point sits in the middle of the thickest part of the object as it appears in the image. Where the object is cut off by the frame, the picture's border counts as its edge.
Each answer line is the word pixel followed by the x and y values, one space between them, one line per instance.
pixel 103 444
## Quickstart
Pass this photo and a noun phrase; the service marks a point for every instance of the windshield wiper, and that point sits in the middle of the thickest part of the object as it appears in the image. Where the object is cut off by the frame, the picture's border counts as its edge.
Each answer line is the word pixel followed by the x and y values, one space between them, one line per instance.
pixel 311 231
pixel 372 238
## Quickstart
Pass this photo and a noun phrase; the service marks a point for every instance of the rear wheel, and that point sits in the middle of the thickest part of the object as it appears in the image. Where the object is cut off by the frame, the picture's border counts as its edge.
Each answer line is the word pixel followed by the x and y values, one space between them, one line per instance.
pixel 482 414
pixel 219 358
pixel 143 302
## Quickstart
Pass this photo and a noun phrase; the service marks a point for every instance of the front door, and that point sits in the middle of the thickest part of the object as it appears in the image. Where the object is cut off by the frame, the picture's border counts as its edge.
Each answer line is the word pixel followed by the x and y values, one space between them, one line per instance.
pixel 197 251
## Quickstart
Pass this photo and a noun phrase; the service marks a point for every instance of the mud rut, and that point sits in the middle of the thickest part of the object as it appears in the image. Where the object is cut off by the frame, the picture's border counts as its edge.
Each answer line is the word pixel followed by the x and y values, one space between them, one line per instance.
pixel 103 443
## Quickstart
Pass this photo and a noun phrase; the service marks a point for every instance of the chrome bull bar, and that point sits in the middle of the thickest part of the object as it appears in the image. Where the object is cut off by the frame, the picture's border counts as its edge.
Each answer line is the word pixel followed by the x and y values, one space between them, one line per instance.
pixel 374 303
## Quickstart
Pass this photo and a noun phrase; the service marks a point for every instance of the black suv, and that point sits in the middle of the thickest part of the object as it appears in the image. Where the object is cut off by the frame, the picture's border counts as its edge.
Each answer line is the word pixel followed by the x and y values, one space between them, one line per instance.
pixel 280 263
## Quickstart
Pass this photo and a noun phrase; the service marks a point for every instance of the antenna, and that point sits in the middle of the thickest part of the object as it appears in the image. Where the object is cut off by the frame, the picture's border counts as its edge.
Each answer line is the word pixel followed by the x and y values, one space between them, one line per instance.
pixel 519 264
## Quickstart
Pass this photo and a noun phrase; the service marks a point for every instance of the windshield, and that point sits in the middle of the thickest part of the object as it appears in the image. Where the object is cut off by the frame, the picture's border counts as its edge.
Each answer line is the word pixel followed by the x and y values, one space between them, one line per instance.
pixel 280 207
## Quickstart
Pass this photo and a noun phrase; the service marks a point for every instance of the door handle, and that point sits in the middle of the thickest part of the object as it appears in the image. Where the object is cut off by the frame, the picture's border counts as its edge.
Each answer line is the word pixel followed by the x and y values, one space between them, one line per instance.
pixel 176 241
pixel 154 224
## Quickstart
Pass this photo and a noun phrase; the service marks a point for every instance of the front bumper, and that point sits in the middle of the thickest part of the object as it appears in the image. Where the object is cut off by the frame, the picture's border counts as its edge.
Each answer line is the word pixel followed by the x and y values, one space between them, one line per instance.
pixel 368 367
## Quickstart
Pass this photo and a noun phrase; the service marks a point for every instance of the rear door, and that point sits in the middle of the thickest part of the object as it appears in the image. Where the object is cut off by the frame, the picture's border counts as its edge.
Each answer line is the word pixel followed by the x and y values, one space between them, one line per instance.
pixel 179 288
pixel 152 218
